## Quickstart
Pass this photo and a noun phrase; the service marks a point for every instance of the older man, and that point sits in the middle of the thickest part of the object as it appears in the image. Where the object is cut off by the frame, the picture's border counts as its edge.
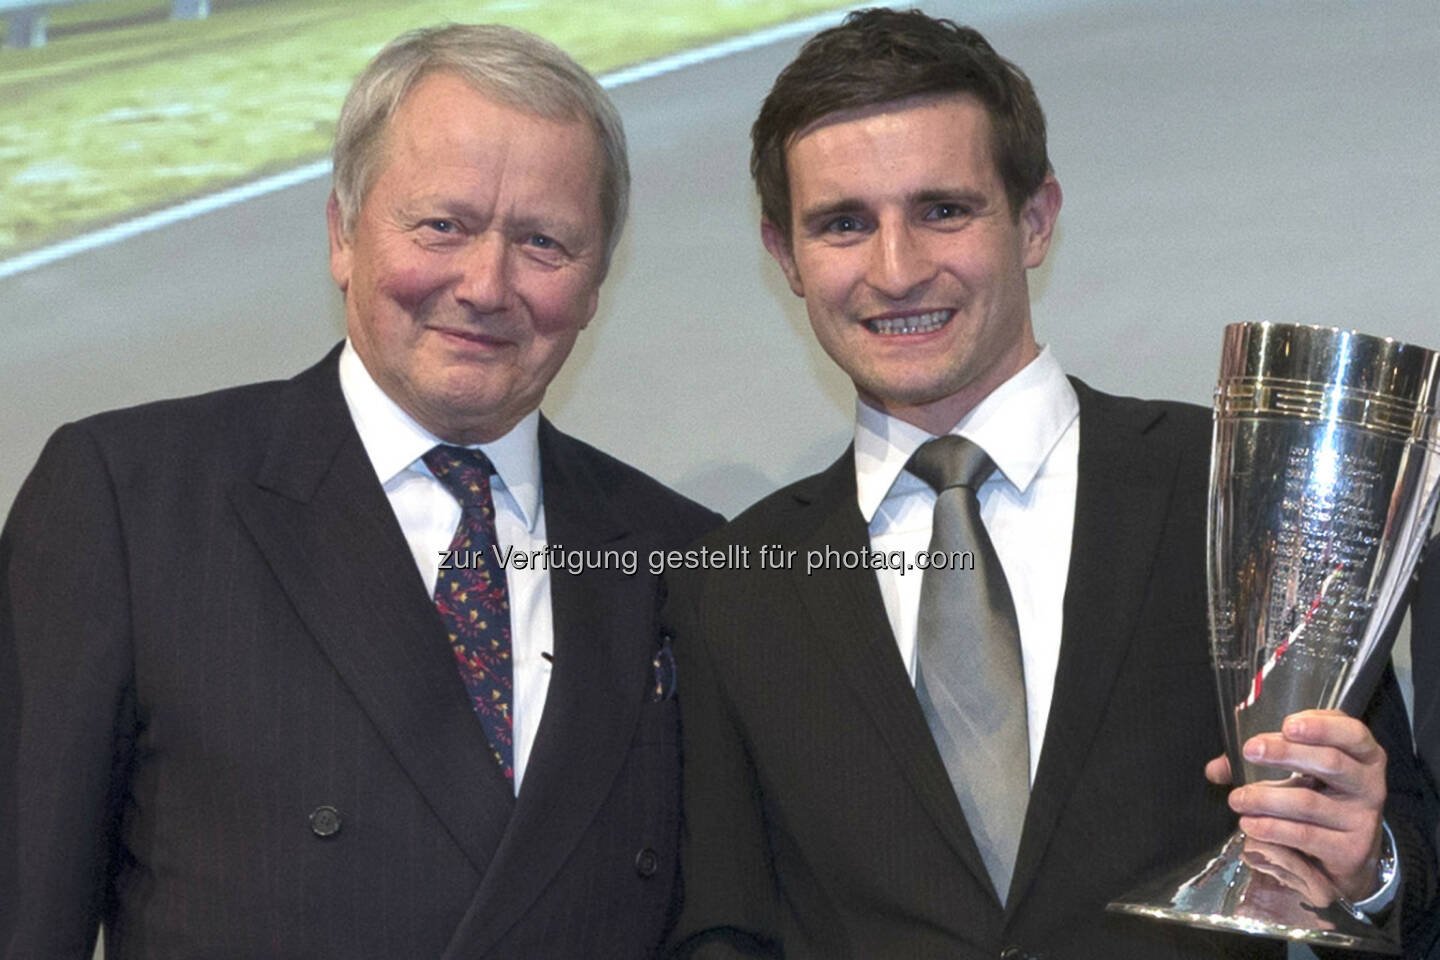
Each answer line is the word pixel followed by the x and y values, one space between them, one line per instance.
pixel 968 761
pixel 274 680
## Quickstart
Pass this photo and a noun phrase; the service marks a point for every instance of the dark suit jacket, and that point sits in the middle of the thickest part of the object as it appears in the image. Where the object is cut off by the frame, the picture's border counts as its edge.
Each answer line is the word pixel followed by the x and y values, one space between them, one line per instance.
pixel 1425 656
pixel 211 629
pixel 820 820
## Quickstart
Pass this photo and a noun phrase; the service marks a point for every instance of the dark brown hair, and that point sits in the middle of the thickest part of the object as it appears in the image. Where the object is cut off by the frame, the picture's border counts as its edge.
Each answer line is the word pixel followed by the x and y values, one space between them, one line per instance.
pixel 877 56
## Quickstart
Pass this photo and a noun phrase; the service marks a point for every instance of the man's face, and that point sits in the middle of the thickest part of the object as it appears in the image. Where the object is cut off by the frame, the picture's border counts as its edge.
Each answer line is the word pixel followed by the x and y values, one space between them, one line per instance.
pixel 909 259
pixel 475 260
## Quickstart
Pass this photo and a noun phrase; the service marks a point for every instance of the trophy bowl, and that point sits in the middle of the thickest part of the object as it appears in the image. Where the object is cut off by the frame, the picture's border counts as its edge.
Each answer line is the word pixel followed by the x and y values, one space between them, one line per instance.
pixel 1324 479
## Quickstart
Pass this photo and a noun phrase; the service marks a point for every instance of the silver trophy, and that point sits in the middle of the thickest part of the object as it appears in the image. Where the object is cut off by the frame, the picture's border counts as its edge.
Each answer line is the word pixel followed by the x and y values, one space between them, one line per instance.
pixel 1324 477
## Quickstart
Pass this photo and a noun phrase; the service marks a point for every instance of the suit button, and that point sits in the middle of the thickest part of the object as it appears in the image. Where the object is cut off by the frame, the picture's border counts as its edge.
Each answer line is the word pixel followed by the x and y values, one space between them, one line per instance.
pixel 647 861
pixel 325 821
pixel 1013 953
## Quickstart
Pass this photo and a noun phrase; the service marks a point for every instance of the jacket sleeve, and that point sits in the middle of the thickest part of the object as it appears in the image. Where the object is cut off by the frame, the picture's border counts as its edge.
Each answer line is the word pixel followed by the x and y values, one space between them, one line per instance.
pixel 1419 892
pixel 67 707
pixel 1407 806
pixel 730 901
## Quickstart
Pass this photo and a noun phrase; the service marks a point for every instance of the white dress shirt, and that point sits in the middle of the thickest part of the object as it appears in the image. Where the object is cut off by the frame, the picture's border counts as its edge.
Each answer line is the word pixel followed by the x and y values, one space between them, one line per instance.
pixel 1030 428
pixel 428 515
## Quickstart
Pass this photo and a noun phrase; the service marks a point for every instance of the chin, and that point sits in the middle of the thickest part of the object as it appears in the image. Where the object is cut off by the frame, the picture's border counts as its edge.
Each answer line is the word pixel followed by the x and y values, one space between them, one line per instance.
pixel 912 394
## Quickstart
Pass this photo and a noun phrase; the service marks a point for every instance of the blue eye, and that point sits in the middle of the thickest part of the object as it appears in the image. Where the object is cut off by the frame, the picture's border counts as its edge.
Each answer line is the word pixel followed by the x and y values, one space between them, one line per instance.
pixel 441 225
pixel 845 224
pixel 948 211
pixel 542 241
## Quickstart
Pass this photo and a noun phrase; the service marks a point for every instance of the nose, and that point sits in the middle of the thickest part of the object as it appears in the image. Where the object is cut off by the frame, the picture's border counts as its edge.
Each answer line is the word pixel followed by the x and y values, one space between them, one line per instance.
pixel 899 261
pixel 484 282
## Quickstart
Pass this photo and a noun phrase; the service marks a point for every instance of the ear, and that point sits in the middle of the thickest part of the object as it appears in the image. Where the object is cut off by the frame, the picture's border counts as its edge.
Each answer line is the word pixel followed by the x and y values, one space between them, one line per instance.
pixel 591 306
pixel 779 246
pixel 341 247
pixel 1037 220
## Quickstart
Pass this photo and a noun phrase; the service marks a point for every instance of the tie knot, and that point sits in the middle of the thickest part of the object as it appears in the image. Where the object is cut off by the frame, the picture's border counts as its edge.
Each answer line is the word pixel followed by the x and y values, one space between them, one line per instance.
pixel 951 461
pixel 462 471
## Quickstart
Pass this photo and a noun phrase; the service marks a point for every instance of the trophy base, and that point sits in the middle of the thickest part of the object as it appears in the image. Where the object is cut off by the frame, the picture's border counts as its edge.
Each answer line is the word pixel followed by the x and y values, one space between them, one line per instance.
pixel 1258 889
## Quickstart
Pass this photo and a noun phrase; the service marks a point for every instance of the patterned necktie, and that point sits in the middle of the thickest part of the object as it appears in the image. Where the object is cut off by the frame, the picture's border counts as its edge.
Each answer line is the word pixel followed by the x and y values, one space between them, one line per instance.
pixel 969 677
pixel 471 598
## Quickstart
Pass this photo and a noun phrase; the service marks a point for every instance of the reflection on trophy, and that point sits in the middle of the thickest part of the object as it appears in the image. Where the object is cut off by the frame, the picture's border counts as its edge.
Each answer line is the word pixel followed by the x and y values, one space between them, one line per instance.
pixel 1324 478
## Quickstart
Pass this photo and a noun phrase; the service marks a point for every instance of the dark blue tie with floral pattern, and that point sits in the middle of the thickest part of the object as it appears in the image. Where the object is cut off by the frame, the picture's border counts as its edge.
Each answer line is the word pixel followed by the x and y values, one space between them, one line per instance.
pixel 471 598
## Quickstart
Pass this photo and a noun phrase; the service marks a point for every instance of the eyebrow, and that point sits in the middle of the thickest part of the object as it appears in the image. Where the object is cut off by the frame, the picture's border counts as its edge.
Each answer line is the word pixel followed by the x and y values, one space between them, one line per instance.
pixel 558 224
pixel 972 198
pixel 845 205
pixel 430 205
pixel 834 208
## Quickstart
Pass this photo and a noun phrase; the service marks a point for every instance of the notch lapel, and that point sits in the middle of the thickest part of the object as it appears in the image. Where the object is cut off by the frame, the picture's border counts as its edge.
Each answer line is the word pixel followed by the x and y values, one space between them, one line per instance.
pixel 321 520
pixel 604 624
pixel 1125 484
pixel 849 614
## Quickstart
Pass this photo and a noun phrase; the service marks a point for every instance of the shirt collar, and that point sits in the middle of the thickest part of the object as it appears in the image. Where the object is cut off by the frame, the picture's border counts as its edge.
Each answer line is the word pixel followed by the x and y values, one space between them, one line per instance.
pixel 395 442
pixel 1017 425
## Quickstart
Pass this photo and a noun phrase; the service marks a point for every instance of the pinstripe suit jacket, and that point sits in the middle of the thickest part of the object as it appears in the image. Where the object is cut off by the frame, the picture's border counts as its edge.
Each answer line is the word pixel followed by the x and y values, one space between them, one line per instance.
pixel 211 628
pixel 820 821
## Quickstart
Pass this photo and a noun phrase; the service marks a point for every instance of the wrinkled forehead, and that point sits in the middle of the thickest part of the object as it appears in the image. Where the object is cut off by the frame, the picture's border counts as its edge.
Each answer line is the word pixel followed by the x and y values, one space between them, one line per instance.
pixel 419 104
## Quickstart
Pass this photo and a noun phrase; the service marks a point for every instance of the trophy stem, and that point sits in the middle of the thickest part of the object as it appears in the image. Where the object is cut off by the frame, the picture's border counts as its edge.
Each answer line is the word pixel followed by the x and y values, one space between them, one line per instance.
pixel 1257 889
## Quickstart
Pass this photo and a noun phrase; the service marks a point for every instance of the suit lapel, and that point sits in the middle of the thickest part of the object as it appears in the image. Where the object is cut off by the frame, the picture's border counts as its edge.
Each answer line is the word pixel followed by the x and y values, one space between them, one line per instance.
pixel 851 625
pixel 603 640
pixel 1124 489
pixel 321 519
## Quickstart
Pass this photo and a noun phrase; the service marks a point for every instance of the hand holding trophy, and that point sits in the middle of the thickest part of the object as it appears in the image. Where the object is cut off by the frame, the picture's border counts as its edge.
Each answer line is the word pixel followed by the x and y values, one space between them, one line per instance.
pixel 1337 820
pixel 1325 475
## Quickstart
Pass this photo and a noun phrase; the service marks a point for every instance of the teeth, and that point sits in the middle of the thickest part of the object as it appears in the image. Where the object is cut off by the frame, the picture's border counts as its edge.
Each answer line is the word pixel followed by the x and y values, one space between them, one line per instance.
pixel 924 323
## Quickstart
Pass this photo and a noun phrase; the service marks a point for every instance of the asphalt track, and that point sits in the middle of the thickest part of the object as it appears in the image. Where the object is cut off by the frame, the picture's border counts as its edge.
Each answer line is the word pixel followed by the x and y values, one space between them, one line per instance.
pixel 1222 161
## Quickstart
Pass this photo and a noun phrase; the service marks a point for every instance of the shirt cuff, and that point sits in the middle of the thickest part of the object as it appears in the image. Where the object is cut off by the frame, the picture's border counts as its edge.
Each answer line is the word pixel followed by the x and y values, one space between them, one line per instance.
pixel 1386 894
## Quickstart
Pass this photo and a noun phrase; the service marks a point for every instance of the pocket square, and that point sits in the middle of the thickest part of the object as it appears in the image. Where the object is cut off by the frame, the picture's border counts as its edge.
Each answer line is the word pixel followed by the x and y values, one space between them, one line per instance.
pixel 664 679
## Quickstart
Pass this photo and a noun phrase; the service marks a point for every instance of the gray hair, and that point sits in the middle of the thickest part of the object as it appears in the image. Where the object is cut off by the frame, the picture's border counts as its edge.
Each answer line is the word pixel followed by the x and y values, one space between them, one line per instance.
pixel 516 68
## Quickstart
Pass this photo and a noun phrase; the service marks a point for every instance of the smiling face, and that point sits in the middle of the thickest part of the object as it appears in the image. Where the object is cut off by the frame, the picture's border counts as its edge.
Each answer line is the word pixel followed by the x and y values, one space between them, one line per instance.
pixel 909 258
pixel 475 259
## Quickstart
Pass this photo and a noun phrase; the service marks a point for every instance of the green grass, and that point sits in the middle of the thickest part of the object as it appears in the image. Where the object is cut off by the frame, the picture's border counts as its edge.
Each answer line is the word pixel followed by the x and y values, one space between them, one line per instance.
pixel 101 124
